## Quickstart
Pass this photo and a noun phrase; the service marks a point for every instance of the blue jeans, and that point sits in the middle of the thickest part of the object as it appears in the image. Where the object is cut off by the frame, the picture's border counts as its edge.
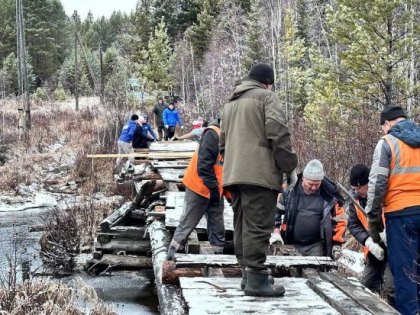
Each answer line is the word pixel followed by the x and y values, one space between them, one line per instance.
pixel 403 238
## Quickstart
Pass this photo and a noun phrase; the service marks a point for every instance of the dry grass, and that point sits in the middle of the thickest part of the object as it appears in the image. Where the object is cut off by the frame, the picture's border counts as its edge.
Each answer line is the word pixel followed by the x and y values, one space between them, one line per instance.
pixel 54 298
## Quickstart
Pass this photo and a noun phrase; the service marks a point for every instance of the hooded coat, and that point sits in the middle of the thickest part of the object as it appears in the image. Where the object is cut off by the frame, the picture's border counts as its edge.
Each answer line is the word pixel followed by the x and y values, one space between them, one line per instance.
pixel 408 132
pixel 254 138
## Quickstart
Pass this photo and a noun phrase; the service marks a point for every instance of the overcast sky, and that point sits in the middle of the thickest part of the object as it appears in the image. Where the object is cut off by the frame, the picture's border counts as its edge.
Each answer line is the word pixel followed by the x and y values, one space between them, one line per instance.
pixel 98 7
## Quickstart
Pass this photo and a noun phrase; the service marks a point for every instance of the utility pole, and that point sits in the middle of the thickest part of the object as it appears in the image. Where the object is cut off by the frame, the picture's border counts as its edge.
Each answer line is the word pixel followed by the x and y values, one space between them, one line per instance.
pixel 24 106
pixel 76 66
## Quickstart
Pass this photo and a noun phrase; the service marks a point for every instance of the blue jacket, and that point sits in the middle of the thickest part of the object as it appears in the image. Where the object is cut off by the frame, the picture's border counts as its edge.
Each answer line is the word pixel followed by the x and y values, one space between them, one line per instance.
pixel 147 128
pixel 128 131
pixel 171 117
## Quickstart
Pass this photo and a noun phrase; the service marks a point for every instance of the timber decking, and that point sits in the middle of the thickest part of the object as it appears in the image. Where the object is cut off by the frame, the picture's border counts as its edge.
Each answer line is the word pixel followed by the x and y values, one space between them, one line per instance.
pixel 222 296
pixel 201 261
pixel 171 175
pixel 174 209
pixel 173 146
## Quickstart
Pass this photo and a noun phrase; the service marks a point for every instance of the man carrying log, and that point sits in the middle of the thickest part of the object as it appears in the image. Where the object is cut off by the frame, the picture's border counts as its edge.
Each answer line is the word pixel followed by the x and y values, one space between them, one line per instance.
pixel 255 142
pixel 376 270
pixel 203 194
pixel 310 215
pixel 394 188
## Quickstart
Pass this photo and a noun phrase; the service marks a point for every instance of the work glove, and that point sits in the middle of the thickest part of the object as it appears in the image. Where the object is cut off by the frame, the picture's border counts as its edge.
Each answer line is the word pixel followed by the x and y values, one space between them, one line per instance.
pixel 166 126
pixel 182 127
pixel 170 255
pixel 383 237
pixel 375 249
pixel 276 237
pixel 336 252
pixel 374 228
pixel 214 195
pixel 291 179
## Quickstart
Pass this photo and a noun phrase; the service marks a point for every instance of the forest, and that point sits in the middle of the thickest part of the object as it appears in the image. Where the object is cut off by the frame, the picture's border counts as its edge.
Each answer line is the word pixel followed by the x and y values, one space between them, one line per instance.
pixel 336 62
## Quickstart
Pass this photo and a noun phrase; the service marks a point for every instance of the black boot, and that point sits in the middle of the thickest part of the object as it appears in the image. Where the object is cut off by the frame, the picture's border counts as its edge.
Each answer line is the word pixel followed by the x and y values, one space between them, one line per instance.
pixel 170 255
pixel 244 277
pixel 257 284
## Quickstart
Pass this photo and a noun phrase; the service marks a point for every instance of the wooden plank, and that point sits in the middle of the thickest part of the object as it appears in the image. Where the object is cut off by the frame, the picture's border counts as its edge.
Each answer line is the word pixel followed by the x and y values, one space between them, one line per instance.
pixel 150 155
pixel 172 186
pixel 200 261
pixel 178 164
pixel 133 232
pixel 184 146
pixel 206 249
pixel 116 216
pixel 141 150
pixel 169 295
pixel 128 261
pixel 172 175
pixel 144 193
pixel 193 244
pixel 336 298
pixel 223 296
pixel 363 297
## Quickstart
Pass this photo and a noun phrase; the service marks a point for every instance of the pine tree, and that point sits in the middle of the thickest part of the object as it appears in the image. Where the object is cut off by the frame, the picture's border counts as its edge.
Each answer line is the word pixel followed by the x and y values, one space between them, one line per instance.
pixel 158 58
pixel 140 30
pixel 255 52
pixel 294 75
pixel 374 39
pixel 84 86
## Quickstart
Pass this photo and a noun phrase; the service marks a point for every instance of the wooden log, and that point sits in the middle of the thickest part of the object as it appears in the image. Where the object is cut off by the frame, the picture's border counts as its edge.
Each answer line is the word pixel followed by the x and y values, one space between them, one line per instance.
pixel 144 193
pixel 336 298
pixel 126 245
pixel 160 209
pixel 150 176
pixel 116 216
pixel 368 300
pixel 138 214
pixel 170 274
pixel 97 254
pixel 143 150
pixel 156 214
pixel 128 261
pixel 170 164
pixel 169 295
pixel 206 249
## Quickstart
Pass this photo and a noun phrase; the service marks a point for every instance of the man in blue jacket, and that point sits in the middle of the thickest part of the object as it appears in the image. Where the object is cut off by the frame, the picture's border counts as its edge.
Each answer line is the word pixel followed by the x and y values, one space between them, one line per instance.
pixel 125 141
pixel 170 119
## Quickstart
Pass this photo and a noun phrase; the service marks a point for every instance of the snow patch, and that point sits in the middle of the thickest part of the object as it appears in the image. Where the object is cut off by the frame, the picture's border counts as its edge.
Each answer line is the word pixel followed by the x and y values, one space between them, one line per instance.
pixel 40 200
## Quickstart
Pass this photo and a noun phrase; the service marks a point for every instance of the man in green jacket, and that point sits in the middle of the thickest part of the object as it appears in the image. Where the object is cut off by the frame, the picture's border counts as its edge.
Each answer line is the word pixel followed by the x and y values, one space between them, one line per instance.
pixel 256 146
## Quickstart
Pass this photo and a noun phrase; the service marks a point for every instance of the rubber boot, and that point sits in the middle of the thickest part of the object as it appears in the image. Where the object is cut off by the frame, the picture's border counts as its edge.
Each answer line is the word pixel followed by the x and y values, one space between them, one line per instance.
pixel 243 281
pixel 170 255
pixel 257 284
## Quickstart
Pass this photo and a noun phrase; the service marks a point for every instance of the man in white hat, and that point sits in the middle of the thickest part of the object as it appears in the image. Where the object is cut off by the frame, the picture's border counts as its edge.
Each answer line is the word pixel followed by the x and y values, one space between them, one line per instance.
pixel 310 215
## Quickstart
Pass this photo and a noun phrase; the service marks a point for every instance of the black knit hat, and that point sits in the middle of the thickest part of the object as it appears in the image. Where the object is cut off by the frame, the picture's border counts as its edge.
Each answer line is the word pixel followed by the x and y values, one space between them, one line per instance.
pixel 391 113
pixel 262 73
pixel 359 175
pixel 134 117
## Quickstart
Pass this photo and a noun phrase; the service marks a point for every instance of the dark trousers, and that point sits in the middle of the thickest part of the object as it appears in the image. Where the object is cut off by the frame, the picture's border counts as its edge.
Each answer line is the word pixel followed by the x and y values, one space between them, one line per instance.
pixel 170 132
pixel 313 249
pixel 403 238
pixel 195 207
pixel 254 210
pixel 161 132
pixel 376 274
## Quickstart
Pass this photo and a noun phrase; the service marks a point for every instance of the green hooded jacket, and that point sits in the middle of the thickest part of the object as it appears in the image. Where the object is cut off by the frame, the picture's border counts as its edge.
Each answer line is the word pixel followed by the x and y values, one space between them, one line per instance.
pixel 254 138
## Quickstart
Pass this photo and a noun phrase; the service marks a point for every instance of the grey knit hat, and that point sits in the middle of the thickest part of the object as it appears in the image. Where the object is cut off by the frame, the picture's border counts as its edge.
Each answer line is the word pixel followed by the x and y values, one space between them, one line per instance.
pixel 314 170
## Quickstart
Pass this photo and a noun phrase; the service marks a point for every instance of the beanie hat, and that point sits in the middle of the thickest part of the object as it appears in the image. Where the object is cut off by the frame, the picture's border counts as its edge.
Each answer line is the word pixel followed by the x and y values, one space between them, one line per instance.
pixel 134 117
pixel 391 113
pixel 359 175
pixel 314 170
pixel 262 73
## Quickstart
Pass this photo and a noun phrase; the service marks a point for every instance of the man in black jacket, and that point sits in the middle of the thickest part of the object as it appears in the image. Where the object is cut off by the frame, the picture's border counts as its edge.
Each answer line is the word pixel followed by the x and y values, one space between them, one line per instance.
pixel 314 220
pixel 203 194
pixel 140 135
pixel 376 270
pixel 158 109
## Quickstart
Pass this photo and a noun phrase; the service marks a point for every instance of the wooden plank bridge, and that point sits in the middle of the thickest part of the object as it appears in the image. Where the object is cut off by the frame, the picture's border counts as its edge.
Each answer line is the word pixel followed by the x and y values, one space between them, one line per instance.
pixel 198 282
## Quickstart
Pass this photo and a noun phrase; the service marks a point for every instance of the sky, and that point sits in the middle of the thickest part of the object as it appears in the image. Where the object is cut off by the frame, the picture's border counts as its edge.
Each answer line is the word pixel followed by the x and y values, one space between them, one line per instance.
pixel 98 7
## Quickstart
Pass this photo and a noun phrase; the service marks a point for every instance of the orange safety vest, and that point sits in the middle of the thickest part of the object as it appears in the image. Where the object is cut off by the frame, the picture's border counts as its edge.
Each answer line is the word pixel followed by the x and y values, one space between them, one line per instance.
pixel 404 176
pixel 191 178
pixel 363 219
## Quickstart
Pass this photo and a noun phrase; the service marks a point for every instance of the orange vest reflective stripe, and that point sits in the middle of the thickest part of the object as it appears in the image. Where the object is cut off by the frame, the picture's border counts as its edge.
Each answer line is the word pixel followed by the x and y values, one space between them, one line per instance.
pixel 404 176
pixel 363 219
pixel 191 178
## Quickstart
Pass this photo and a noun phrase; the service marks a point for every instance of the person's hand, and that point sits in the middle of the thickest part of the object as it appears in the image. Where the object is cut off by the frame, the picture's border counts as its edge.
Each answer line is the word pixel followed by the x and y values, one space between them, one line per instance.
pixel 182 127
pixel 375 249
pixel 166 126
pixel 291 179
pixel 336 252
pixel 214 195
pixel 374 228
pixel 276 237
